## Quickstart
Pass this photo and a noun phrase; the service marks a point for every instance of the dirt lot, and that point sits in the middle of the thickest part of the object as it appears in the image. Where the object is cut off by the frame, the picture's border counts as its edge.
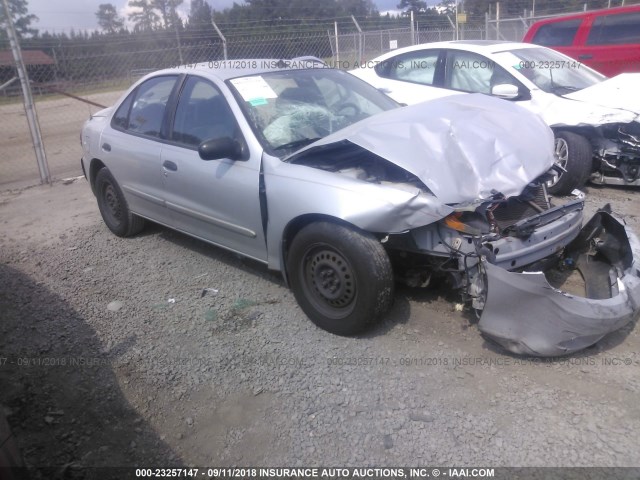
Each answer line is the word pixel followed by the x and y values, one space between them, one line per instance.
pixel 111 353
pixel 61 120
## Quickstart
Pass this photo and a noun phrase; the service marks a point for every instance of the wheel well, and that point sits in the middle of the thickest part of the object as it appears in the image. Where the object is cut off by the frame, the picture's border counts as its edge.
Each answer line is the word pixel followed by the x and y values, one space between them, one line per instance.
pixel 590 133
pixel 297 224
pixel 95 166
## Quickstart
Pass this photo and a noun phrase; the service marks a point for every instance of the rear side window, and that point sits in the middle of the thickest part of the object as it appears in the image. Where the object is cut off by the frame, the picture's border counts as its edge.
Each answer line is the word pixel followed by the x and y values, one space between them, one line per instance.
pixel 417 67
pixel 557 34
pixel 620 29
pixel 143 110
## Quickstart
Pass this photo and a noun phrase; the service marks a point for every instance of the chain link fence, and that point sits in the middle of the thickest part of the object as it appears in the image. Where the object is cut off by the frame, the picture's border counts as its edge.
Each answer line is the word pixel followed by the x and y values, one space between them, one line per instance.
pixel 72 78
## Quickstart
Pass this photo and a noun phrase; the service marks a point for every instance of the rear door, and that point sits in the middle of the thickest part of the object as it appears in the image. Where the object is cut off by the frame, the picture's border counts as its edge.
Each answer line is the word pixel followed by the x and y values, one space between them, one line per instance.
pixel 612 45
pixel 562 35
pixel 131 146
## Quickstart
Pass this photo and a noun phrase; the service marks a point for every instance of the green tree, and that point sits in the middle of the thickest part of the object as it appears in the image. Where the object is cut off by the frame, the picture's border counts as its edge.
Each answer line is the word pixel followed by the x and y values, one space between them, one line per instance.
pixel 108 18
pixel 200 13
pixel 415 6
pixel 145 19
pixel 168 11
pixel 358 8
pixel 22 19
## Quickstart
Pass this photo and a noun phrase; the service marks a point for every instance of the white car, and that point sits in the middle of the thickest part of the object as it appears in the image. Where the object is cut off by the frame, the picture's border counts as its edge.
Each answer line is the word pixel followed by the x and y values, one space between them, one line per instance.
pixel 596 120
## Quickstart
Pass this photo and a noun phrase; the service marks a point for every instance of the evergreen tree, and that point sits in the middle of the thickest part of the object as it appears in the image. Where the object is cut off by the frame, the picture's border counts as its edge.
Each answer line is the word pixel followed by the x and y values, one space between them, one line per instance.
pixel 108 18
pixel 21 19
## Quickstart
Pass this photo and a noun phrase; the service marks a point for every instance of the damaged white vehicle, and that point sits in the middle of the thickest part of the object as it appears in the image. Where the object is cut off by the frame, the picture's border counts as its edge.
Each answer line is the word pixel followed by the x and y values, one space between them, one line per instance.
pixel 596 120
pixel 320 176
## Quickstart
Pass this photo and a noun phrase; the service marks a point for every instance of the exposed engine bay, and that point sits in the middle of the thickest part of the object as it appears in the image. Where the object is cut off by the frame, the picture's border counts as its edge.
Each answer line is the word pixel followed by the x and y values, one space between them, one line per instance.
pixel 618 151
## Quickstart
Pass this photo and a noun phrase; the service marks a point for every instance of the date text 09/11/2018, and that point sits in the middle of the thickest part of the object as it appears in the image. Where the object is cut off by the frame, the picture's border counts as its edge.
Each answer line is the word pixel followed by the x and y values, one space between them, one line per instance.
pixel 323 473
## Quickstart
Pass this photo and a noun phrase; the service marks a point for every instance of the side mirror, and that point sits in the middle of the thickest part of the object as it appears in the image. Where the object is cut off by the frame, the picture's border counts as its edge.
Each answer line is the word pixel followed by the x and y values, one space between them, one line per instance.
pixel 505 91
pixel 217 148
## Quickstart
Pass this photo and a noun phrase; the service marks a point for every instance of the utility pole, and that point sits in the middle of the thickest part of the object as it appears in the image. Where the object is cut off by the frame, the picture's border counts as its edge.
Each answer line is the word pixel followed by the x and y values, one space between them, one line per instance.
pixel 27 97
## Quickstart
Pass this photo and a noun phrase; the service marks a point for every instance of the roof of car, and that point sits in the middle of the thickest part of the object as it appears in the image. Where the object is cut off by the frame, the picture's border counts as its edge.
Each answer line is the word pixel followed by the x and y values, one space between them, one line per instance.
pixel 478 46
pixel 227 69
pixel 602 11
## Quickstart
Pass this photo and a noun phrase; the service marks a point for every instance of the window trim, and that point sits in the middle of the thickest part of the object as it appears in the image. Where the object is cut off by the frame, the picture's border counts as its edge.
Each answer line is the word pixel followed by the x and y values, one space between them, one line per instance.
pixel 179 79
pixel 595 31
pixel 437 74
pixel 580 24
pixel 525 92
pixel 174 110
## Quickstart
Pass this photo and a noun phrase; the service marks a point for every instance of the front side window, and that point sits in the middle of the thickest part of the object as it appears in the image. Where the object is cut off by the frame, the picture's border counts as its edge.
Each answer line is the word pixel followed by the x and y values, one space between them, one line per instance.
pixel 557 34
pixel 142 111
pixel 470 72
pixel 619 29
pixel 202 114
pixel 417 67
pixel 291 109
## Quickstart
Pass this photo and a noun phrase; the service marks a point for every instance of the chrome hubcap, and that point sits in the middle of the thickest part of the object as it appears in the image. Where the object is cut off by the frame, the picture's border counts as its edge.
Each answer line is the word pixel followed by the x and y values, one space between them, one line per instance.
pixel 562 156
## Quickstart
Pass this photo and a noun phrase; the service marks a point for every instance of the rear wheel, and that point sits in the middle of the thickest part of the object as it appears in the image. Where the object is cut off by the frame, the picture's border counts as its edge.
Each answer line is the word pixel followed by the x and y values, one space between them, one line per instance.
pixel 575 155
pixel 341 277
pixel 113 206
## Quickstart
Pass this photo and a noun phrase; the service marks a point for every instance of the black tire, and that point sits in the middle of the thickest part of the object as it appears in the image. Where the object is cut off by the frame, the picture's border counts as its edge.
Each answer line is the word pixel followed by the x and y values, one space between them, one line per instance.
pixel 576 156
pixel 355 271
pixel 113 206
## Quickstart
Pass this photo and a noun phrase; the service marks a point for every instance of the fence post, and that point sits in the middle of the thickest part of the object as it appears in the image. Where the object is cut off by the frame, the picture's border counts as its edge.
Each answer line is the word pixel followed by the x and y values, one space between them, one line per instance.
pixel 486 25
pixel 27 97
pixel 337 47
pixel 497 20
pixel 179 45
pixel 224 40
pixel 359 39
pixel 413 31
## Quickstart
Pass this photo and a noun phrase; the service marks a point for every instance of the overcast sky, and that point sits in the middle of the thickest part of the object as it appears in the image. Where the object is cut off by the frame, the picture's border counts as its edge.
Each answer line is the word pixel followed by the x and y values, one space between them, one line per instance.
pixel 58 15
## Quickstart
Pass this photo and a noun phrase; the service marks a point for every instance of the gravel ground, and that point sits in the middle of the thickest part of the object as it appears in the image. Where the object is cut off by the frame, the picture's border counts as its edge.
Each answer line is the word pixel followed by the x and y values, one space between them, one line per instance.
pixel 161 350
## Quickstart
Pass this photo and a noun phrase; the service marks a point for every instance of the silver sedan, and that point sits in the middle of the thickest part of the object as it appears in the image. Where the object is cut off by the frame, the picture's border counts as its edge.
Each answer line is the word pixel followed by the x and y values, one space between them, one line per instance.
pixel 323 178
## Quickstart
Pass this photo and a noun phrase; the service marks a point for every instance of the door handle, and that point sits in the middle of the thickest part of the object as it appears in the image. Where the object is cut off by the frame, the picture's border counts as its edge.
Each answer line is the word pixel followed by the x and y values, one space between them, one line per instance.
pixel 106 147
pixel 586 56
pixel 169 165
pixel 385 90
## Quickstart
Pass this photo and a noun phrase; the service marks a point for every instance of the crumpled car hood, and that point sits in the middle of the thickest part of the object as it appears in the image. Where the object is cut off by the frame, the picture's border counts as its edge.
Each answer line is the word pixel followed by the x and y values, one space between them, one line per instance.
pixel 611 101
pixel 464 148
pixel 617 92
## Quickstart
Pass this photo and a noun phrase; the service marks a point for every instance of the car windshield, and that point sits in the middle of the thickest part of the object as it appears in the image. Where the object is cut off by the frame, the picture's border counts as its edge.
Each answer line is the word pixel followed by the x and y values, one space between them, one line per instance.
pixel 552 71
pixel 291 109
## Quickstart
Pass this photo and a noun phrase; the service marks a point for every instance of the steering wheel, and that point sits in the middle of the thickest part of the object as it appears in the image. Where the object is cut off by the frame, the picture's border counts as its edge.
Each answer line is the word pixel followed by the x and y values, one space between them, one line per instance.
pixel 342 109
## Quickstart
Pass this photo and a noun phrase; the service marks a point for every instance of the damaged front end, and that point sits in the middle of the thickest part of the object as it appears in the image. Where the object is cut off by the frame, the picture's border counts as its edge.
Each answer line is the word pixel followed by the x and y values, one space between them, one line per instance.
pixel 525 314
pixel 618 150
pixel 454 196
pixel 543 285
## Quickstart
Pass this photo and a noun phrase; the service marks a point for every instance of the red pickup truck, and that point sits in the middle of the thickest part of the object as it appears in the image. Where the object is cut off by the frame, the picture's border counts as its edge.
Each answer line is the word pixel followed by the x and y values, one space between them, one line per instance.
pixel 606 40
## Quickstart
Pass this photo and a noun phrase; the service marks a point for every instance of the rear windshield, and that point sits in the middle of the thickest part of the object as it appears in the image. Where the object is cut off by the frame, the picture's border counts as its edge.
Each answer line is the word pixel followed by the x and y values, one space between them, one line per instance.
pixel 558 34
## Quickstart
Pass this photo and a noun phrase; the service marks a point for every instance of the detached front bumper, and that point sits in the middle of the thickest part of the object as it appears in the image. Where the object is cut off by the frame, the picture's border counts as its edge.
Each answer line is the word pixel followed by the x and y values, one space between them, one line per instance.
pixel 527 316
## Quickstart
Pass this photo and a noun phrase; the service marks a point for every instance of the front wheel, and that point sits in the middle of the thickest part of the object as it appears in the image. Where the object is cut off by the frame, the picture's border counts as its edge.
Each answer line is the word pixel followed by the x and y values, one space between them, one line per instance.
pixel 341 277
pixel 113 206
pixel 575 155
